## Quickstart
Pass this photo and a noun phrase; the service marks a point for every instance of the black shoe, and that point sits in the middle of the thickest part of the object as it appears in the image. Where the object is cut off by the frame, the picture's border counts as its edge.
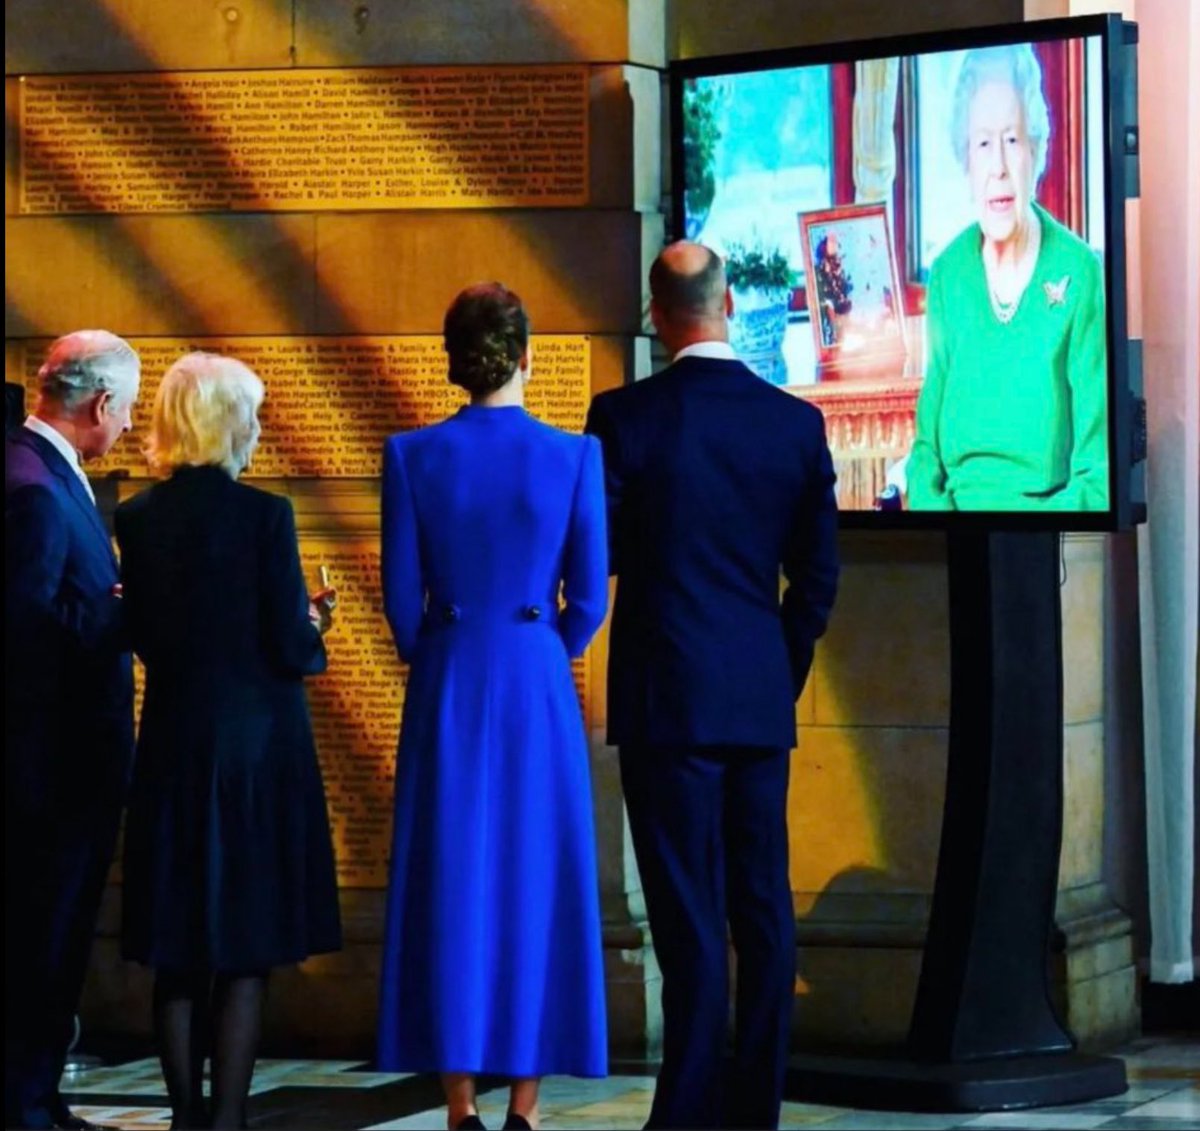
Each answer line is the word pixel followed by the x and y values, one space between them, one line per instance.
pixel 515 1122
pixel 62 1117
pixel 470 1123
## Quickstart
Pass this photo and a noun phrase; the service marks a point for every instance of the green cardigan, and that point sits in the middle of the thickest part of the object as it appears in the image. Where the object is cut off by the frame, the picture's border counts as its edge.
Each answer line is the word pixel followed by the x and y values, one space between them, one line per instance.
pixel 1014 417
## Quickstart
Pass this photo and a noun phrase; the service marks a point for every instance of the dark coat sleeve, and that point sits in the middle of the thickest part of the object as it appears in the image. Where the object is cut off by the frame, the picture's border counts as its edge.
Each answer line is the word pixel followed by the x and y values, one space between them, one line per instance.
pixel 585 562
pixel 291 641
pixel 600 423
pixel 810 562
pixel 40 608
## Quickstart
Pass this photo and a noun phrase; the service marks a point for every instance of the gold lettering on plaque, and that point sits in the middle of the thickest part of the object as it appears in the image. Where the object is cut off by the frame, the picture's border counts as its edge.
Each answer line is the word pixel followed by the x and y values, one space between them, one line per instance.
pixel 356 709
pixel 331 402
pixel 304 140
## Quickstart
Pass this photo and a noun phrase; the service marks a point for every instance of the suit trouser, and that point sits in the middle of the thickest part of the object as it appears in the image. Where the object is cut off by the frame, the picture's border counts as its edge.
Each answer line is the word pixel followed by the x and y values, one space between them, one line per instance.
pixel 709 827
pixel 54 881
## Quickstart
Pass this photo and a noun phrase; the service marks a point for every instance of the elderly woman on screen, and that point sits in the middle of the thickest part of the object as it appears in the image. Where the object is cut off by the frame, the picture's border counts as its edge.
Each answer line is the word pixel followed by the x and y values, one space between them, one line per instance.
pixel 228 866
pixel 1013 412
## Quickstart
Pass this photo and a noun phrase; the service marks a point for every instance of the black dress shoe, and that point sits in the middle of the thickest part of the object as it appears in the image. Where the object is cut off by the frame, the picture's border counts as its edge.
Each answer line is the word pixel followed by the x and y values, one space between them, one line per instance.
pixel 470 1123
pixel 516 1122
pixel 62 1117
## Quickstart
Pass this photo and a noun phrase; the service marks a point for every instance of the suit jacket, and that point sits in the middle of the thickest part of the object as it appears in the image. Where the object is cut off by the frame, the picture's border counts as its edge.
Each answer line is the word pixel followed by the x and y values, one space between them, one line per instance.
pixel 68 678
pixel 715 480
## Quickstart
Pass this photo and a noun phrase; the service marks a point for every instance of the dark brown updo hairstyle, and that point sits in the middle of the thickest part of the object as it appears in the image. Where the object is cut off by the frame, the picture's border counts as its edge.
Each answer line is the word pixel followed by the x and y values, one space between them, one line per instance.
pixel 486 330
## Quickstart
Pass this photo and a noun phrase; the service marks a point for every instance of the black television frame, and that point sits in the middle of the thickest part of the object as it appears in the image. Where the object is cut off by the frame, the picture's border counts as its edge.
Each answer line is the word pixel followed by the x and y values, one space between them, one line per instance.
pixel 1118 39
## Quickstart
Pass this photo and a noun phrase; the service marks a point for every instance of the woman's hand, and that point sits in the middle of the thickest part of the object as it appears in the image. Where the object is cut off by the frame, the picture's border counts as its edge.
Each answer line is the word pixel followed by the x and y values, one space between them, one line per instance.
pixel 320 609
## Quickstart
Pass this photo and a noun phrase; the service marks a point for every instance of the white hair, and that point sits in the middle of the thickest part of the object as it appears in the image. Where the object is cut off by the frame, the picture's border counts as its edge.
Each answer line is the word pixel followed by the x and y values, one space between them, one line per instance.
pixel 1017 65
pixel 206 412
pixel 83 364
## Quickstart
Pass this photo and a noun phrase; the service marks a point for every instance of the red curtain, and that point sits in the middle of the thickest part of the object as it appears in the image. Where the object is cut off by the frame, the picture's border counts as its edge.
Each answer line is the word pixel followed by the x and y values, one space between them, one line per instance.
pixel 841 82
pixel 841 106
pixel 1061 188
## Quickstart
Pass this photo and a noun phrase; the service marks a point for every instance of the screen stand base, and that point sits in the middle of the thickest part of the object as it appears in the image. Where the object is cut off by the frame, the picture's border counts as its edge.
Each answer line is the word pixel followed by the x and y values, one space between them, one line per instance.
pixel 900 1083
pixel 985 1033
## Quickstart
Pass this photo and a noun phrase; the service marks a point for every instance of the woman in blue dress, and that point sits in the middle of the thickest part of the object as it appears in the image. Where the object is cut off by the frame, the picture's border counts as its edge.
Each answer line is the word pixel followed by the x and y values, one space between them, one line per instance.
pixel 494 576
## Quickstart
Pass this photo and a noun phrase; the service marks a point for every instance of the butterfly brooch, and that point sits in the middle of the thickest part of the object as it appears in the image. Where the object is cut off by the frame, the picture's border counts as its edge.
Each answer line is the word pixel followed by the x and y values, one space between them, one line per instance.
pixel 1056 293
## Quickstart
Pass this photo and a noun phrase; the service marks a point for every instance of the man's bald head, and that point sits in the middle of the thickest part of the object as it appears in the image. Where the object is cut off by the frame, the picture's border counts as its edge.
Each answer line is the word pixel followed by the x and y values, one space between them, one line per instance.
pixel 689 299
pixel 687 284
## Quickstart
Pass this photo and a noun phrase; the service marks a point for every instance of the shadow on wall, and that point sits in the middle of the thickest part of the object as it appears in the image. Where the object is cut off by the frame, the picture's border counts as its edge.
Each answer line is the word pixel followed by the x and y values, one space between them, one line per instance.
pixel 858 960
pixel 271 255
pixel 869 774
pixel 868 786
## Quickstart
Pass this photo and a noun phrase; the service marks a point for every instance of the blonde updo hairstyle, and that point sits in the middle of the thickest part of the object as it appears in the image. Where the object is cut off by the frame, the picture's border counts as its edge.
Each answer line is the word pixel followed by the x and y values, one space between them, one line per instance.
pixel 206 413
pixel 486 332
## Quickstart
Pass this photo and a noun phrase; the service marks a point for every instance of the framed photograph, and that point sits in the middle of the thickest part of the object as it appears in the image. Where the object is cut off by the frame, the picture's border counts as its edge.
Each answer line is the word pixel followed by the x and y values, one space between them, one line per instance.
pixel 855 301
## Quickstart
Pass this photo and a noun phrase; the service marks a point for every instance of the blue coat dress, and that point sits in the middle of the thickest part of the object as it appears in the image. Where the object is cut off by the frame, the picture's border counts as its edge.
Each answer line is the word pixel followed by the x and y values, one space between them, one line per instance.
pixel 492 955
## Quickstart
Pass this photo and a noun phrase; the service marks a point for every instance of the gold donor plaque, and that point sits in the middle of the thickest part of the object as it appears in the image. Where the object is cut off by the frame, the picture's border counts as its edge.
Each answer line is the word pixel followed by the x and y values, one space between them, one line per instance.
pixel 304 140
pixel 331 402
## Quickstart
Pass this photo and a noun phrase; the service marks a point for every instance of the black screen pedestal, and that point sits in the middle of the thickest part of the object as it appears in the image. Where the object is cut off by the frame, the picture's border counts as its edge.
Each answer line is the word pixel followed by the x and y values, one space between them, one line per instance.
pixel 985 1034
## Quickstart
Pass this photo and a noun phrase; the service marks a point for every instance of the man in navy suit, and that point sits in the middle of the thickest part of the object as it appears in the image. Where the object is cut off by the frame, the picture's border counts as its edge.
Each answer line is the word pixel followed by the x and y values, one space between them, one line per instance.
pixel 715 481
pixel 68 722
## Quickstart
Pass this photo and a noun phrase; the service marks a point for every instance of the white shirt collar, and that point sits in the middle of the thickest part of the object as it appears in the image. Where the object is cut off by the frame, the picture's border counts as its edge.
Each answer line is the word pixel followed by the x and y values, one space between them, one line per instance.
pixel 63 446
pixel 719 350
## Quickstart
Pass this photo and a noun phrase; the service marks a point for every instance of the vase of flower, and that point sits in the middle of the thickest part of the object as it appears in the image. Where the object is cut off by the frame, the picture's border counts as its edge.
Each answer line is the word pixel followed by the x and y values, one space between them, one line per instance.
pixel 761 281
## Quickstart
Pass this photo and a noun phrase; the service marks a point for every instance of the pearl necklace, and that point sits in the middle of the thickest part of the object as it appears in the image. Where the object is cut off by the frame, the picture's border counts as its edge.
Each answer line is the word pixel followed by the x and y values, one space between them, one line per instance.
pixel 1005 312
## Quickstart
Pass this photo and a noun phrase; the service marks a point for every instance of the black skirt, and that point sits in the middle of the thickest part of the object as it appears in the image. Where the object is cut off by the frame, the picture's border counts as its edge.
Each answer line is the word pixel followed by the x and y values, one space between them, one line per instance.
pixel 228 861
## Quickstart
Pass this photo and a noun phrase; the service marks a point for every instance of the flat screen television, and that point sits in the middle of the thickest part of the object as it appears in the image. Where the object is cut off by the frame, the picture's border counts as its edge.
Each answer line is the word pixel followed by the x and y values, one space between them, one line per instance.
pixel 925 237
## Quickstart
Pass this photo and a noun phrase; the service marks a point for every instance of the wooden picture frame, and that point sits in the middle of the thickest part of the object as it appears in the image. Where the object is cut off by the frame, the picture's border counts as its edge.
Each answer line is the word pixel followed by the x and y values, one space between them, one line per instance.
pixel 855 300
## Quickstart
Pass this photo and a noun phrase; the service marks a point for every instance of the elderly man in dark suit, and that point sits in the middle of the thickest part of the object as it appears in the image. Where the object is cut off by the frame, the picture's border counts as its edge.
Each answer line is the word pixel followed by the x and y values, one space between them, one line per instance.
pixel 68 721
pixel 715 481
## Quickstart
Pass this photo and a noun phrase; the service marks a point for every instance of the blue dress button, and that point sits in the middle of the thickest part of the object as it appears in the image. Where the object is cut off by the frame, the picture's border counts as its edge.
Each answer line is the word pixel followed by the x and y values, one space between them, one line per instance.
pixel 450 613
pixel 532 612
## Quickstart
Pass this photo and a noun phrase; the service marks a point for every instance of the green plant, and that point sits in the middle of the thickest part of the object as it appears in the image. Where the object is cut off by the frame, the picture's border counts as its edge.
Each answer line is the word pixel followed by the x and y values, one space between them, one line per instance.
pixel 754 266
pixel 700 137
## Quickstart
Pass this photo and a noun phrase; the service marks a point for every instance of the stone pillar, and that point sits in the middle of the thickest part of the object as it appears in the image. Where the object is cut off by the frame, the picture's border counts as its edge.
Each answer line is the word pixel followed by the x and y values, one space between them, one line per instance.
pixel 1095 975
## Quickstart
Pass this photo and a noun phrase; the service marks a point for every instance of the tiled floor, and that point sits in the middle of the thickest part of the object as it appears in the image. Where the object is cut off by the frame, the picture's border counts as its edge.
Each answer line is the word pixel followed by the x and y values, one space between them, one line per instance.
pixel 1164 1095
